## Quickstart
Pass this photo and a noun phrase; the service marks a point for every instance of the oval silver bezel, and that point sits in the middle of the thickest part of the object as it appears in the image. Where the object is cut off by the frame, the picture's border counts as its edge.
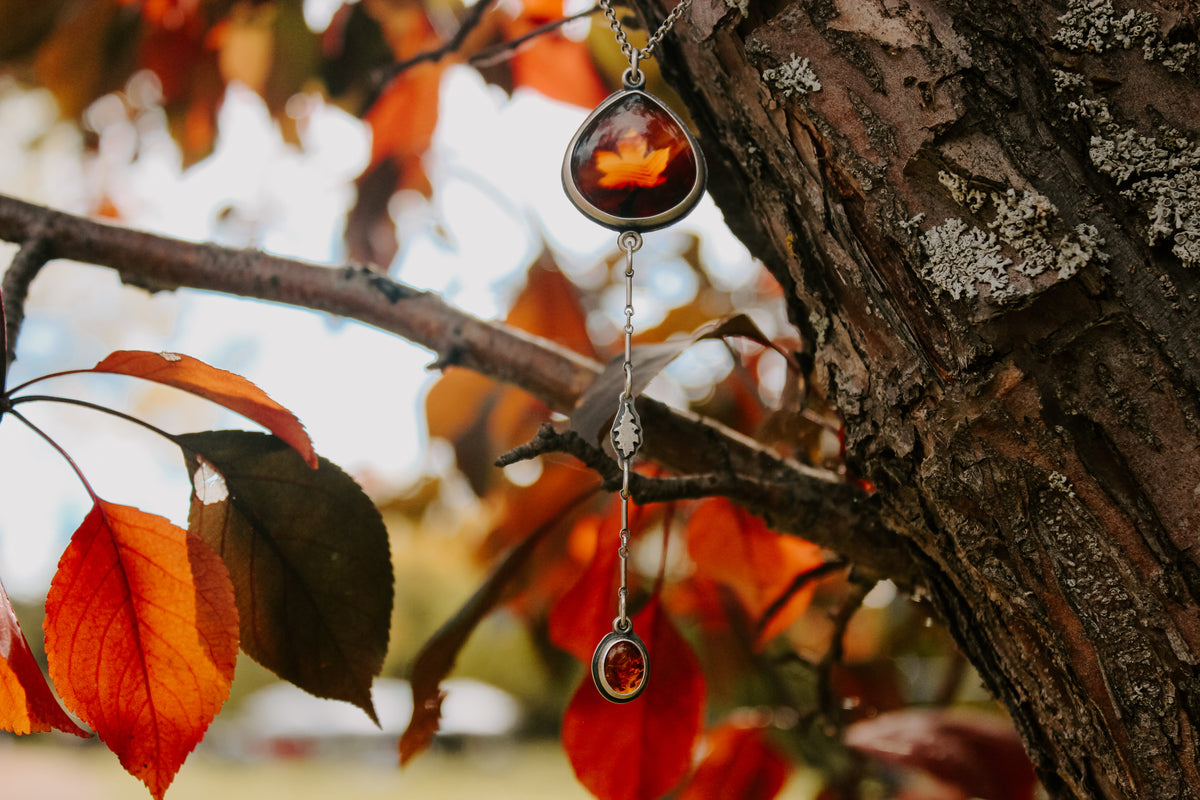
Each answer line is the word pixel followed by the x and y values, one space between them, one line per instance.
pixel 601 652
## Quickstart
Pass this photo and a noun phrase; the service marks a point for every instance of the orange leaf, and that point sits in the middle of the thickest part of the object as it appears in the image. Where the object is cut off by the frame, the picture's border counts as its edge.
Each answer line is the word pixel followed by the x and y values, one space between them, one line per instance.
pixel 27 704
pixel 558 67
pixel 639 750
pixel 733 547
pixel 561 69
pixel 549 306
pixel 549 499
pixel 142 635
pixel 402 122
pixel 481 418
pixel 223 388
pixel 740 763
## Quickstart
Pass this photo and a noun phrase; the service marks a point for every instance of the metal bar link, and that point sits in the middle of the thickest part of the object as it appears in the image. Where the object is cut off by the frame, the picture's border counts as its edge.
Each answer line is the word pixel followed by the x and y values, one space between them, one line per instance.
pixel 627 429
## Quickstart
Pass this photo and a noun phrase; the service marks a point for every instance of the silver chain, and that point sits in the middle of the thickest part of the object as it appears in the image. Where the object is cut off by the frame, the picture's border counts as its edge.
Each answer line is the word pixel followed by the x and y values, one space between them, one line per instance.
pixel 627 428
pixel 635 54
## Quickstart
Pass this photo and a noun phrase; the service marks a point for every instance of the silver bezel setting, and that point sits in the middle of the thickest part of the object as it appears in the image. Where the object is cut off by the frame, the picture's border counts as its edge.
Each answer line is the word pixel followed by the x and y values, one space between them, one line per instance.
pixel 680 209
pixel 601 653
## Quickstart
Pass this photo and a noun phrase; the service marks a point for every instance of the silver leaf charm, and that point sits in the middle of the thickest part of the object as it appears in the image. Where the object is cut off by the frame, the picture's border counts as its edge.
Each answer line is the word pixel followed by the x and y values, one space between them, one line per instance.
pixel 626 430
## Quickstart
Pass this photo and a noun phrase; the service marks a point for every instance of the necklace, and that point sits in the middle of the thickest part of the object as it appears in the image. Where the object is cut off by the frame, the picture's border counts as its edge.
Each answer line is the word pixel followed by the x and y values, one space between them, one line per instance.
pixel 633 167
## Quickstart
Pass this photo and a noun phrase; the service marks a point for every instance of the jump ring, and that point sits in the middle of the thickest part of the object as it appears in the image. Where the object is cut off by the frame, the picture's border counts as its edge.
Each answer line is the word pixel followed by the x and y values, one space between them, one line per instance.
pixel 630 241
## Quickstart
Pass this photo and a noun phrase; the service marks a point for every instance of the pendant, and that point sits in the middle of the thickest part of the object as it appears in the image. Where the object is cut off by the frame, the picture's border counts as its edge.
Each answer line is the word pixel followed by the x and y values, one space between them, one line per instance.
pixel 620 666
pixel 633 165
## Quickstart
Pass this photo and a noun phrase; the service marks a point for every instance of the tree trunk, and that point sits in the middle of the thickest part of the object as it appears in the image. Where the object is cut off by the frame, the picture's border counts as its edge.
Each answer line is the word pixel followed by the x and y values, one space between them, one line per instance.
pixel 986 221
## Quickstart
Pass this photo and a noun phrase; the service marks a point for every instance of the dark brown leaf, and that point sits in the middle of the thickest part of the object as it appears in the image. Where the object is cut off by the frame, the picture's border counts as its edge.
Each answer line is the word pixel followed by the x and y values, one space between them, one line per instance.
pixel 309 557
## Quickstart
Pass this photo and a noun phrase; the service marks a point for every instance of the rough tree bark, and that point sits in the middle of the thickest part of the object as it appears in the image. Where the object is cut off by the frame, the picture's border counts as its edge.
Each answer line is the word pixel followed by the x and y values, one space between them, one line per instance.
pixel 985 216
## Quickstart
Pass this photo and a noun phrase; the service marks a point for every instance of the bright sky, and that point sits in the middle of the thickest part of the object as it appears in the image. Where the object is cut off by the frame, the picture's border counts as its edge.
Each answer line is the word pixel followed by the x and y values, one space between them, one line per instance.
pixel 495 168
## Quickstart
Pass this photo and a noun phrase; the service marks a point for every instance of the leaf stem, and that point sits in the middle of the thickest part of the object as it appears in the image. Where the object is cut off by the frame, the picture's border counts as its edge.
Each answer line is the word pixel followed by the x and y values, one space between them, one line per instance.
pixel 47 398
pixel 48 376
pixel 45 436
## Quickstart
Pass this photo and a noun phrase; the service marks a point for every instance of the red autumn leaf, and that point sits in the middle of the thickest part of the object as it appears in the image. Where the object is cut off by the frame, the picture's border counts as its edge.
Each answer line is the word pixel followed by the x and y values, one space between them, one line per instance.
pixel 733 547
pixel 309 557
pixel 142 636
pixel 639 750
pixel 224 388
pixel 977 754
pixel 27 704
pixel 741 763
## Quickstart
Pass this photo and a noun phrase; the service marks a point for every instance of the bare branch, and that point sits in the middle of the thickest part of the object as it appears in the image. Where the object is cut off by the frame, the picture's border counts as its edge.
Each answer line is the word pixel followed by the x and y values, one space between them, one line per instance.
pixel 793 497
pixel 29 260
pixel 498 53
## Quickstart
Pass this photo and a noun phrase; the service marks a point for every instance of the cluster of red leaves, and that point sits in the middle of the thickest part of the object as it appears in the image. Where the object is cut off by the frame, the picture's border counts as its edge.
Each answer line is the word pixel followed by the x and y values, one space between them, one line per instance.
pixel 284 556
pixel 556 545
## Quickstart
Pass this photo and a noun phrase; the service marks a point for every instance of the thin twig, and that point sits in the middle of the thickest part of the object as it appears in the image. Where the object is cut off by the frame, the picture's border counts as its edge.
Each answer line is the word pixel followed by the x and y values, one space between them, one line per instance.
pixel 858 588
pixel 799 582
pixel 498 53
pixel 486 57
pixel 643 488
pixel 382 76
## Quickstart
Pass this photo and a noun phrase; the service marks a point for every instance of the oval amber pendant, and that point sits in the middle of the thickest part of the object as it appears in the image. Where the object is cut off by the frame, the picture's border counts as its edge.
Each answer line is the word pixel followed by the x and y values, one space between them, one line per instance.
pixel 620 666
pixel 633 165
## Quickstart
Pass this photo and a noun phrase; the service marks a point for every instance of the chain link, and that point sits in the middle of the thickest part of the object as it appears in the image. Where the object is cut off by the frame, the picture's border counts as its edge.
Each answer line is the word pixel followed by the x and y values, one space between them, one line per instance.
pixel 632 53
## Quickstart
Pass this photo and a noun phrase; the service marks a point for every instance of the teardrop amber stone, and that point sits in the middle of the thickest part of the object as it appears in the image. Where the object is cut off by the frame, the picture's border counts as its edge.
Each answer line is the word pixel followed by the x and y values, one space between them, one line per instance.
pixel 633 165
pixel 624 668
